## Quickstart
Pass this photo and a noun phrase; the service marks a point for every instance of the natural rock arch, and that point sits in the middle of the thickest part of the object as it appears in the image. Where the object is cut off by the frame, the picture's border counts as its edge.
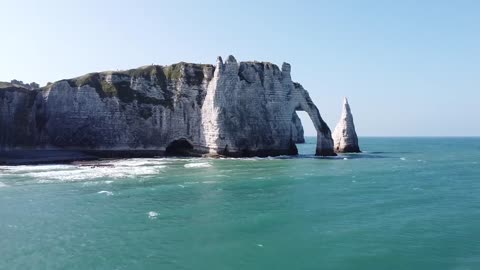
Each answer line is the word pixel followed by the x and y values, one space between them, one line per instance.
pixel 250 105
pixel 318 127
pixel 303 102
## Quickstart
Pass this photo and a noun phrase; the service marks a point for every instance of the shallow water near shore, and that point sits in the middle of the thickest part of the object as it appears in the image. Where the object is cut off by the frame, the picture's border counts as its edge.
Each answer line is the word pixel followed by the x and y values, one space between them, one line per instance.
pixel 404 203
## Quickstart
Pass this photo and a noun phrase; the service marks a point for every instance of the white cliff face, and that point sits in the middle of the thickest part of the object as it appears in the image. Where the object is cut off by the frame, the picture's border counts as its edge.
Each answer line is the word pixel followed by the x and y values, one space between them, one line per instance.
pixel 345 138
pixel 234 109
pixel 17 119
pixel 249 107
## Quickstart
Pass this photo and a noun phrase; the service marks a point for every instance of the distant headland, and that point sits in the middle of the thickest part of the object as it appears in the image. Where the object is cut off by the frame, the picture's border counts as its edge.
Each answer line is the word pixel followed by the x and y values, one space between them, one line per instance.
pixel 235 109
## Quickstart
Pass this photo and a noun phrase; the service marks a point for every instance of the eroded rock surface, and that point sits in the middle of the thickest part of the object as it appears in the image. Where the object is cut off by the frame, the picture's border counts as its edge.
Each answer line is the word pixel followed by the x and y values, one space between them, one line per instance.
pixel 297 129
pixel 344 135
pixel 231 108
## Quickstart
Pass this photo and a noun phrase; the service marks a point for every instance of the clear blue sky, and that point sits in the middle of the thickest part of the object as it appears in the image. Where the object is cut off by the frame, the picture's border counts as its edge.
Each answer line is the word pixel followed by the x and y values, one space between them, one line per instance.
pixel 408 67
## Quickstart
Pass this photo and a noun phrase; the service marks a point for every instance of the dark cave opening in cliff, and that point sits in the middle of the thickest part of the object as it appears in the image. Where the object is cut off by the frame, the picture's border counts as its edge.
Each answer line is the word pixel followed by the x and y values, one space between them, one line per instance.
pixel 180 147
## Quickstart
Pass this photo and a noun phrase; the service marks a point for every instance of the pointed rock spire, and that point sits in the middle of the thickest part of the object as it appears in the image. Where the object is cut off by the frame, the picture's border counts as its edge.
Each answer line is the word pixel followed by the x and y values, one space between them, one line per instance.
pixel 231 66
pixel 231 59
pixel 286 68
pixel 344 137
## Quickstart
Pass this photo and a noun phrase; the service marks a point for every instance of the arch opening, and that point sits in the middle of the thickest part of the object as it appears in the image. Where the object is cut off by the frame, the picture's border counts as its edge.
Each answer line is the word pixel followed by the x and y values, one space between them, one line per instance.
pixel 180 147
pixel 304 134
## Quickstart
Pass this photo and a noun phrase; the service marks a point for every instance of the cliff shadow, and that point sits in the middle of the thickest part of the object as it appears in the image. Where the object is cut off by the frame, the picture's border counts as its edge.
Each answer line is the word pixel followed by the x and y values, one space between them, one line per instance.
pixel 180 147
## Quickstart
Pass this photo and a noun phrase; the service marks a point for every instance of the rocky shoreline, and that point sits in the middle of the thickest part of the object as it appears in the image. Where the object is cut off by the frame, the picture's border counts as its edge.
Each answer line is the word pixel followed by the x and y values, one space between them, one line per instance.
pixel 33 157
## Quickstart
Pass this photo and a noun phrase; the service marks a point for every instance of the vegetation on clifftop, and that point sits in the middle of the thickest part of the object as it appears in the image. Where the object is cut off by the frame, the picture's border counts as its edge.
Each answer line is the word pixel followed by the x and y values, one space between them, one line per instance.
pixel 19 84
pixel 120 89
pixel 173 72
pixel 5 84
pixel 163 76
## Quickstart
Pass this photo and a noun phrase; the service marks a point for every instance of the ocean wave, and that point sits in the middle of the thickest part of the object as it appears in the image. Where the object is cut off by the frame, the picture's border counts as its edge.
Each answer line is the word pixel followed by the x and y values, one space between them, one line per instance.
pixel 35 168
pixel 88 173
pixel 85 184
pixel 2 185
pixel 197 165
pixel 221 175
pixel 209 182
pixel 152 215
pixel 135 162
pixel 108 193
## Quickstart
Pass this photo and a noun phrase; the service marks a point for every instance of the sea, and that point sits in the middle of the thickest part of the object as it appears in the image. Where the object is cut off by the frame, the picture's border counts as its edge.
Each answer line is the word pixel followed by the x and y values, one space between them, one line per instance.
pixel 403 203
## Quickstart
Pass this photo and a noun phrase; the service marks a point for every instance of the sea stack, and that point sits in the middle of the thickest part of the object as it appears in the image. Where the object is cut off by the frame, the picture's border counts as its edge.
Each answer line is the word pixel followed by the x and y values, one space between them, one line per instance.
pixel 344 137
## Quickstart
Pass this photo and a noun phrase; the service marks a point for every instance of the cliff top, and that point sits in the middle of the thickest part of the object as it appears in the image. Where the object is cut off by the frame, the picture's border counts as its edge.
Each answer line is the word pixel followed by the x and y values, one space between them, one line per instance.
pixel 19 84
pixel 170 72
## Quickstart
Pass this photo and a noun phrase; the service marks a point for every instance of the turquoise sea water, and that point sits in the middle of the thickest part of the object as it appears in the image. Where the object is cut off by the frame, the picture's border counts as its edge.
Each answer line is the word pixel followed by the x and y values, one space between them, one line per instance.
pixel 405 203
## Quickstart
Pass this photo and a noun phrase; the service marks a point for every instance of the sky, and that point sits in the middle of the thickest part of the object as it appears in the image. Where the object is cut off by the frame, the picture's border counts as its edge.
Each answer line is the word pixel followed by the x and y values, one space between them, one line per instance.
pixel 408 68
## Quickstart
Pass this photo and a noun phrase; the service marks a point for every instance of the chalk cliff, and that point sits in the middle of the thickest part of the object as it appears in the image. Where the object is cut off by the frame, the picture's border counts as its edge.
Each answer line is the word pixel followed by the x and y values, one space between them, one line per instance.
pixel 231 108
pixel 344 136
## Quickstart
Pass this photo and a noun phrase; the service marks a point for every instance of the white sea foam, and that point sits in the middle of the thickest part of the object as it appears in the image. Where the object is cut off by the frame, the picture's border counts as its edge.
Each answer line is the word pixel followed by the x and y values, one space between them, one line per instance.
pixel 345 158
pixel 221 175
pixel 87 173
pixel 2 185
pixel 402 158
pixel 35 168
pixel 209 182
pixel 197 165
pixel 85 184
pixel 70 173
pixel 108 193
pixel 152 215
pixel 245 158
pixel 135 162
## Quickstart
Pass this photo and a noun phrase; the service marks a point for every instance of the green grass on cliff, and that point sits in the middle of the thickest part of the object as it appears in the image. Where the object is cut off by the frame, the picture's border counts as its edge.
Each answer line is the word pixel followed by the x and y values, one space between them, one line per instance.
pixel 13 87
pixel 122 89
pixel 162 76
pixel 5 84
pixel 173 72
